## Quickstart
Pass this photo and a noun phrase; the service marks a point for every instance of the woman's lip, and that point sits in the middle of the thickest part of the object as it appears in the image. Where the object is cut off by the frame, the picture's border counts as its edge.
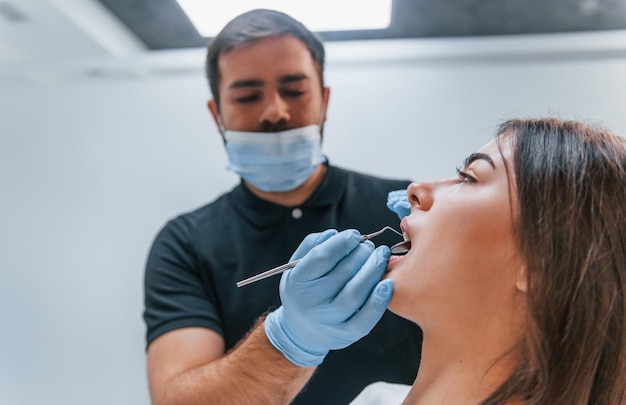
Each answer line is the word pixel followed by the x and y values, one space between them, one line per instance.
pixel 392 260
pixel 391 264
pixel 403 225
pixel 406 244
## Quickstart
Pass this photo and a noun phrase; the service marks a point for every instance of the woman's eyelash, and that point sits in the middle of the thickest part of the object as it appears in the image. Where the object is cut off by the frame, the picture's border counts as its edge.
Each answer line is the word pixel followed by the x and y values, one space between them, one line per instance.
pixel 465 177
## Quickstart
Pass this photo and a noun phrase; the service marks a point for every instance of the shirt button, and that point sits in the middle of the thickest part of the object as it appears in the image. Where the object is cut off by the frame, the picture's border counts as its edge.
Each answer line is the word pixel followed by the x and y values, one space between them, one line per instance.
pixel 296 213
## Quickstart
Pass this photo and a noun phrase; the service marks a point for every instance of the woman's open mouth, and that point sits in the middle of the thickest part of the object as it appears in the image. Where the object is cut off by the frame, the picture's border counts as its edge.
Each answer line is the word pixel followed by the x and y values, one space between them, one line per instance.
pixel 403 247
pixel 398 251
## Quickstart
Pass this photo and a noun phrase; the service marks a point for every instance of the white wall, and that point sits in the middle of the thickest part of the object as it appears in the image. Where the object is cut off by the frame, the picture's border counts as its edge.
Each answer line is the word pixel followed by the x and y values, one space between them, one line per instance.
pixel 89 172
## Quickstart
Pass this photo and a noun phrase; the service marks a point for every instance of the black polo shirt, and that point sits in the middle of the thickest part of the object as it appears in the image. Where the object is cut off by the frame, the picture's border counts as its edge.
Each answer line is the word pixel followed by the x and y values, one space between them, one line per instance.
pixel 198 257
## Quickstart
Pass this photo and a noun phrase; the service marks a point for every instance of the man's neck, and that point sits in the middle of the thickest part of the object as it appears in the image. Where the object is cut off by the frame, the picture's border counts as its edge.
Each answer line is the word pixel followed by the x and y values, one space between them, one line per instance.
pixel 293 197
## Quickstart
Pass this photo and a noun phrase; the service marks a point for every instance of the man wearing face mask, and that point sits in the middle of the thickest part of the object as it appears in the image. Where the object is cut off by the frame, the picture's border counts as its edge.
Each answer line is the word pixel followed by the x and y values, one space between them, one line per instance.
pixel 205 339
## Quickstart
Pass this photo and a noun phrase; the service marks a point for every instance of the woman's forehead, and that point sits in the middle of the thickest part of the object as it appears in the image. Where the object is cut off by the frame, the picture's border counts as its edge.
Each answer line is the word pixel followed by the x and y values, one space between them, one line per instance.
pixel 499 149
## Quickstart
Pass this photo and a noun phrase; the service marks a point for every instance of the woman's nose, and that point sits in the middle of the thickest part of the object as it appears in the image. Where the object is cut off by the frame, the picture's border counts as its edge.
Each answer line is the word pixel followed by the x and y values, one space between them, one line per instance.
pixel 421 195
pixel 275 110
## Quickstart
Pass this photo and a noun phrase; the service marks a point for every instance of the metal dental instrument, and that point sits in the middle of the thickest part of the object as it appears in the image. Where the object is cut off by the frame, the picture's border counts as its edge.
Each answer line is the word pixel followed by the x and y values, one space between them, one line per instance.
pixel 290 265
pixel 401 248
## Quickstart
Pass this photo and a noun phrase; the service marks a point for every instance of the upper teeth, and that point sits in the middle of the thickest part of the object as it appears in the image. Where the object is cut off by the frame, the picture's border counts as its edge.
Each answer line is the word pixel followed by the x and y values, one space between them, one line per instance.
pixel 406 237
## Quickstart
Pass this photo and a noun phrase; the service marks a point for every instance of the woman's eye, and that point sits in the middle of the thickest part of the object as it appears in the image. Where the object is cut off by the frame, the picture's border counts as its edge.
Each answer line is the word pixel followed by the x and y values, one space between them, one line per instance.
pixel 464 177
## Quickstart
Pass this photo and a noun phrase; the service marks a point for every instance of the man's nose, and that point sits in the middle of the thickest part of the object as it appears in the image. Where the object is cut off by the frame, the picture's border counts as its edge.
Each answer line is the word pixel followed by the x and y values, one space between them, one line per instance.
pixel 275 110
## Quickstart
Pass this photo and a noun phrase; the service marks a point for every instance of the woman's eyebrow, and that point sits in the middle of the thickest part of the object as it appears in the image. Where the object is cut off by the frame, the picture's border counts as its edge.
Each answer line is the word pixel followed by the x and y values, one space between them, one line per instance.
pixel 478 156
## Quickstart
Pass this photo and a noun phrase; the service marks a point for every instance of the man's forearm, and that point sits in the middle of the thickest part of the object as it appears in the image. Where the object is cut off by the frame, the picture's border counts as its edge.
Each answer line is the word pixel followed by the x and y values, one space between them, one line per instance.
pixel 253 372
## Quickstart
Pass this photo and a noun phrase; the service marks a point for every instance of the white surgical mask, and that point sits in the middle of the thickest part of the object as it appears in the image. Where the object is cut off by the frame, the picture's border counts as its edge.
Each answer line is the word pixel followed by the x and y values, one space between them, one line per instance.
pixel 274 161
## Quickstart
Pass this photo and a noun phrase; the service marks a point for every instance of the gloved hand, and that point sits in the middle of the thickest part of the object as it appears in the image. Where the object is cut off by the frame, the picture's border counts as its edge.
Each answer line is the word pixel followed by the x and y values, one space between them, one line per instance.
pixel 398 202
pixel 331 299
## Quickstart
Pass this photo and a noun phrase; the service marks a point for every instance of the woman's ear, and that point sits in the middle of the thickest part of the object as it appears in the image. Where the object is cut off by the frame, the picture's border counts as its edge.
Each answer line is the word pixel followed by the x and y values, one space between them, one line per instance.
pixel 521 282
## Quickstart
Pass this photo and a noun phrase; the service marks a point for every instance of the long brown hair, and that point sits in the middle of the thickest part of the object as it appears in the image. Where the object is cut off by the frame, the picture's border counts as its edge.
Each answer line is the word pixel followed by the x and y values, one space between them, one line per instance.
pixel 570 179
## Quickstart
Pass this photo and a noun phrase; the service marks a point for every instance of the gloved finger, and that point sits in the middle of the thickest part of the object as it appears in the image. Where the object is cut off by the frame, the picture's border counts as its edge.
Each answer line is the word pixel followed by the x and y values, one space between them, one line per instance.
pixel 396 194
pixel 357 290
pixel 370 313
pixel 325 256
pixel 325 288
pixel 398 202
pixel 310 241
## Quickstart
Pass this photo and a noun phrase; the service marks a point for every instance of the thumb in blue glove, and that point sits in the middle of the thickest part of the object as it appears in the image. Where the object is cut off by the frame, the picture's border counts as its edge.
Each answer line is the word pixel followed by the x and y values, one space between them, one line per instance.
pixel 331 299
pixel 398 202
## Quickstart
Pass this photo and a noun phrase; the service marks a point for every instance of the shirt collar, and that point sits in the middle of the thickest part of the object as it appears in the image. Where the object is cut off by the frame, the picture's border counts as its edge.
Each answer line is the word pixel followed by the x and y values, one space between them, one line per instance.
pixel 262 213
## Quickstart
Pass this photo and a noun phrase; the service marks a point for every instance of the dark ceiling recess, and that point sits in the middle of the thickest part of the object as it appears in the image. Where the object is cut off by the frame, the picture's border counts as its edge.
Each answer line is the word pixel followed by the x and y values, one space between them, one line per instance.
pixel 161 24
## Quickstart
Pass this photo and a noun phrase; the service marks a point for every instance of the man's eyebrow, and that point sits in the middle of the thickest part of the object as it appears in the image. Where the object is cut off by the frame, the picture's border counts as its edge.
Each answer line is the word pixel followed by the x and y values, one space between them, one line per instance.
pixel 259 83
pixel 478 156
pixel 293 78
pixel 246 83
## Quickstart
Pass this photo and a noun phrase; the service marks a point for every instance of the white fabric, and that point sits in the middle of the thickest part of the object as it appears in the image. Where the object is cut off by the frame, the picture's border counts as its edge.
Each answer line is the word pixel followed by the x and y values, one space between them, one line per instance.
pixel 382 393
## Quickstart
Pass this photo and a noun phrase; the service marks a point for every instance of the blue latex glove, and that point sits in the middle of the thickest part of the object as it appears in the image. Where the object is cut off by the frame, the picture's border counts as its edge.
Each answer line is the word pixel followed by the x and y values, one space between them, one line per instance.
pixel 331 299
pixel 398 202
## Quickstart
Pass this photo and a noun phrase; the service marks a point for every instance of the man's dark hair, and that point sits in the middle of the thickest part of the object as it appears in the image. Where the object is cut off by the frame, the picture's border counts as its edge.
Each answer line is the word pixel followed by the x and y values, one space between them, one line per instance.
pixel 253 26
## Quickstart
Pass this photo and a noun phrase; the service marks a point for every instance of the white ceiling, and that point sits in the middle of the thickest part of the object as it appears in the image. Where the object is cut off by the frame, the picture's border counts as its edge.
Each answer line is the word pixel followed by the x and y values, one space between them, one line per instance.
pixel 52 41
pixel 67 41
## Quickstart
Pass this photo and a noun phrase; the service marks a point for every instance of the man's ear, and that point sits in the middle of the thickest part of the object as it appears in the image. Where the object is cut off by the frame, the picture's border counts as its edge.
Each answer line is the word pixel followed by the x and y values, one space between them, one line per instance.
pixel 521 282
pixel 214 111
pixel 326 97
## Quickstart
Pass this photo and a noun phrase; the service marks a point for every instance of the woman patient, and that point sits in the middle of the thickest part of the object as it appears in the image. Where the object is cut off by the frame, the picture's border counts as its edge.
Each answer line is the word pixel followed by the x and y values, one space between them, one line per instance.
pixel 516 275
pixel 517 270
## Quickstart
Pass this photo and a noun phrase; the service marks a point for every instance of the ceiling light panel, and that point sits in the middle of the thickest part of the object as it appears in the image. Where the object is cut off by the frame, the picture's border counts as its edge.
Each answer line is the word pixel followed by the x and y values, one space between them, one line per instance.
pixel 317 15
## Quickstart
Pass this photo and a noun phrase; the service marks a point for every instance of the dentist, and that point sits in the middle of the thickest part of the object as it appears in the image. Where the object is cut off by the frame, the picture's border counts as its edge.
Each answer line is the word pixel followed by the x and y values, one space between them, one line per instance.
pixel 209 341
